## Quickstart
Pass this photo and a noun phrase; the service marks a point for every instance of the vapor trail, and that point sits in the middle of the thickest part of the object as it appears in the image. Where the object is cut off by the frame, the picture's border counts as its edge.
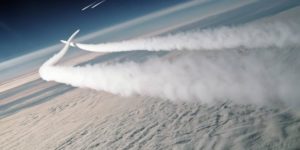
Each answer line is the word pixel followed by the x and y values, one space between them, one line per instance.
pixel 53 60
pixel 251 36
pixel 258 75
pixel 88 6
pixel 98 4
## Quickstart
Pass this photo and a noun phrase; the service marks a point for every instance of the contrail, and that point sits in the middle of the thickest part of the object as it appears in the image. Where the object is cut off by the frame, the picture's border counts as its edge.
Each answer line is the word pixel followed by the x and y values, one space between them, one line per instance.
pixel 88 6
pixel 53 60
pixel 98 4
pixel 256 76
pixel 249 36
pixel 59 55
pixel 92 5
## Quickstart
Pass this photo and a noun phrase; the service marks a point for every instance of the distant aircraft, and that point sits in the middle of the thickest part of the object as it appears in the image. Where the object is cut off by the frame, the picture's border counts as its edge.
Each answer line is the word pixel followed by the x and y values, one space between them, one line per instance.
pixel 88 6
pixel 98 4
pixel 92 5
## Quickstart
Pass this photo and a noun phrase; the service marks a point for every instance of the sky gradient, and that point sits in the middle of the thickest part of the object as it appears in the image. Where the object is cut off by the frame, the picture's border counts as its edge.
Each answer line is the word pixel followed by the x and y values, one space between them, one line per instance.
pixel 26 26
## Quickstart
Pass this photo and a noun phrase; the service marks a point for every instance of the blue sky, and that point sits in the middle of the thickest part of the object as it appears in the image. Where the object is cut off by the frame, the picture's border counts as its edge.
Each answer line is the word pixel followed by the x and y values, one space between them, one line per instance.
pixel 114 21
pixel 26 26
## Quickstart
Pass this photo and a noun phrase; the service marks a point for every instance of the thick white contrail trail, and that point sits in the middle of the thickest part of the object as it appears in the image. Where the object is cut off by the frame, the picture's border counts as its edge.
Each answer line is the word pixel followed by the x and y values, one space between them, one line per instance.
pixel 256 76
pixel 58 56
pixel 203 76
pixel 53 60
pixel 248 36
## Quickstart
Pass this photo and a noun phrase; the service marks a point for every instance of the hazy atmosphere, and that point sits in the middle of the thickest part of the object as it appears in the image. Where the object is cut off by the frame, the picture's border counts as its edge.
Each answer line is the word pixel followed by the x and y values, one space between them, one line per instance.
pixel 173 74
